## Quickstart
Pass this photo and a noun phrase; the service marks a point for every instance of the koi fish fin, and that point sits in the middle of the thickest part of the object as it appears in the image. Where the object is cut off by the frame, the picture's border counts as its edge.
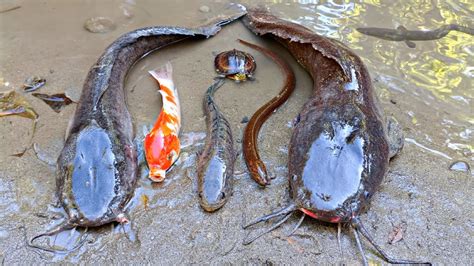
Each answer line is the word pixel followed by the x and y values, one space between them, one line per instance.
pixel 164 75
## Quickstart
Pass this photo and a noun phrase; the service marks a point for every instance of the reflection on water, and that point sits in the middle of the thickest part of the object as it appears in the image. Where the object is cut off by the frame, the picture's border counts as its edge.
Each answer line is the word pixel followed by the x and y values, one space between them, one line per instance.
pixel 433 80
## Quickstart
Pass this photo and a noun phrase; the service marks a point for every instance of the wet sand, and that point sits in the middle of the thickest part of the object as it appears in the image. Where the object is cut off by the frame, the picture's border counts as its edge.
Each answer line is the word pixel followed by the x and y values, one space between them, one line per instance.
pixel 428 89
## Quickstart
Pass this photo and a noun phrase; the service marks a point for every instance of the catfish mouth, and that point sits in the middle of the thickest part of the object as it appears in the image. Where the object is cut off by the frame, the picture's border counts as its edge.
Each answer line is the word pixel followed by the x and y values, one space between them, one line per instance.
pixel 323 216
pixel 212 205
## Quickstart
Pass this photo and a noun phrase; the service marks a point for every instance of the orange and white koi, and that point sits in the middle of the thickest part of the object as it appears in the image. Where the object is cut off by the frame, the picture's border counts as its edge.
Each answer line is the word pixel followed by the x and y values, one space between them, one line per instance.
pixel 162 144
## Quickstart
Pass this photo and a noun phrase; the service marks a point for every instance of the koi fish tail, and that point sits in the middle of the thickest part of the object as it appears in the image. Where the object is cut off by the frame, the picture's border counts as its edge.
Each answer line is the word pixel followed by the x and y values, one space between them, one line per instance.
pixel 169 93
pixel 164 76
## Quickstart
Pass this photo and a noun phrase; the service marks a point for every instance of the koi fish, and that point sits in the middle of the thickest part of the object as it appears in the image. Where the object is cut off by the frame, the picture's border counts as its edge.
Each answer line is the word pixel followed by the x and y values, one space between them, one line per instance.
pixel 162 145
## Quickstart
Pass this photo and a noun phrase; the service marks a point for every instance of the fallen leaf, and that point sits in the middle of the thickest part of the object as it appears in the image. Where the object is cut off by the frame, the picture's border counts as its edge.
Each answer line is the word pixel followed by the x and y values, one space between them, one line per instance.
pixel 145 201
pixel 55 101
pixel 12 103
pixel 397 233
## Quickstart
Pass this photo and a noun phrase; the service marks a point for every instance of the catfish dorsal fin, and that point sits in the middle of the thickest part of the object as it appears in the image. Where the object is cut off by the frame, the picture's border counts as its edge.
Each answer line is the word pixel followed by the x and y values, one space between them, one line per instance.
pixel 402 29
pixel 410 44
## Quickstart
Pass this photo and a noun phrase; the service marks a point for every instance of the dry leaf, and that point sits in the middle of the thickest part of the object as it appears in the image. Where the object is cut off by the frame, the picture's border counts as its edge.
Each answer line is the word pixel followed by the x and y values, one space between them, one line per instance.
pixel 397 233
pixel 55 101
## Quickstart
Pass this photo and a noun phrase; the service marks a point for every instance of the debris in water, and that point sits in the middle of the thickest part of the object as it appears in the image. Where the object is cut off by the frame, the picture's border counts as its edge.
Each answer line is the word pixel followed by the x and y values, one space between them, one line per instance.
pixel 8 9
pixel 460 166
pixel 191 139
pixel 99 25
pixel 204 9
pixel 145 201
pixel 33 83
pixel 20 154
pixel 55 101
pixel 397 233
pixel 12 103
pixel 42 156
pixel 127 12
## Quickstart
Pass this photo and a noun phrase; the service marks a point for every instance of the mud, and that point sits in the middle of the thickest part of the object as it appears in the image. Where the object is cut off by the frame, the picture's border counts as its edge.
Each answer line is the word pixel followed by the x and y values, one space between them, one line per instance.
pixel 428 89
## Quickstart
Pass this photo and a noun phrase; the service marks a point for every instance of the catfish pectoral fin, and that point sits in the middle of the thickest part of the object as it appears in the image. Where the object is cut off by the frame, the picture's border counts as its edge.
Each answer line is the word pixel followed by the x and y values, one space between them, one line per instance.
pixel 410 44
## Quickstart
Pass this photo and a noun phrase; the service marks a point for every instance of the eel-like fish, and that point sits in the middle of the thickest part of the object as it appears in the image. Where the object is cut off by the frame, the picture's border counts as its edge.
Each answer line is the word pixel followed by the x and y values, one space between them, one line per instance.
pixel 256 167
pixel 401 34
pixel 97 168
pixel 339 150
pixel 215 166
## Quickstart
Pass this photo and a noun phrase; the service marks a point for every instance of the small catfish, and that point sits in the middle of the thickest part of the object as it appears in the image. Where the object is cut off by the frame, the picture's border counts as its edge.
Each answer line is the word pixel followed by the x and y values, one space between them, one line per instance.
pixel 401 34
pixel 162 145
pixel 215 165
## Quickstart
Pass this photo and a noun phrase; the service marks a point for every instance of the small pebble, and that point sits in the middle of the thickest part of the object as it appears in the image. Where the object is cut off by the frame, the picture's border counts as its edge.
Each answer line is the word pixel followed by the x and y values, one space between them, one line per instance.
pixel 99 25
pixel 460 166
pixel 204 9
pixel 245 119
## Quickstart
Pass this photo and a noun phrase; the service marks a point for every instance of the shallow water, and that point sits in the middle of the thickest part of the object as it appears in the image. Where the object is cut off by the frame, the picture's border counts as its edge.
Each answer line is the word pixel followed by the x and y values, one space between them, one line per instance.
pixel 429 89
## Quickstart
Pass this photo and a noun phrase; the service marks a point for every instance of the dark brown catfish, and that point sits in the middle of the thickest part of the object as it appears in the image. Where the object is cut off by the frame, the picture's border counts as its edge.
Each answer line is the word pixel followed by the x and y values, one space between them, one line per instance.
pixel 97 168
pixel 215 167
pixel 339 150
